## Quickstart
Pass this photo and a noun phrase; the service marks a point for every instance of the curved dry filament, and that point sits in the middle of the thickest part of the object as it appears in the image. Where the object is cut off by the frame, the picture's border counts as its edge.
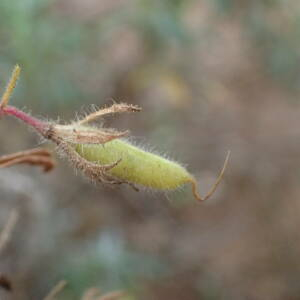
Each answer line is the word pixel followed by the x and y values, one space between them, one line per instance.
pixel 214 187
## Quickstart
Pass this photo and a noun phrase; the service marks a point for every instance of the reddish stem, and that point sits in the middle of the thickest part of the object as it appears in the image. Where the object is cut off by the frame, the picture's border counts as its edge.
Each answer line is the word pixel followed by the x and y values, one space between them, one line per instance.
pixel 39 125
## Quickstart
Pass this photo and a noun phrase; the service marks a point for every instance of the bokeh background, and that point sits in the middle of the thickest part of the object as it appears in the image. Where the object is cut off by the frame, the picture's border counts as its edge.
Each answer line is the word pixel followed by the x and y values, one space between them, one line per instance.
pixel 210 76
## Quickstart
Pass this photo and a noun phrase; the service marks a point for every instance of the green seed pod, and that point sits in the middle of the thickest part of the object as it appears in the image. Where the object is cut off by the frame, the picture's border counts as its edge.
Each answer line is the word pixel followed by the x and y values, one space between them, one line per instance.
pixel 141 167
pixel 136 165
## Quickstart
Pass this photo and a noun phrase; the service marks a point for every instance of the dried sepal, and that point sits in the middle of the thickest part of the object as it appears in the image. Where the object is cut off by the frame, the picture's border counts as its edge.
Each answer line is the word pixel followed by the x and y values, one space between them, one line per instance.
pixel 38 157
pixel 115 108
pixel 87 135
pixel 93 170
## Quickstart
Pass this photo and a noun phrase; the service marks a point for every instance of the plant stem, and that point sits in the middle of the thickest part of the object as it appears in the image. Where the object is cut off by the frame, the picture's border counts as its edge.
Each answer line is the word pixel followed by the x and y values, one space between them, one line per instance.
pixel 39 125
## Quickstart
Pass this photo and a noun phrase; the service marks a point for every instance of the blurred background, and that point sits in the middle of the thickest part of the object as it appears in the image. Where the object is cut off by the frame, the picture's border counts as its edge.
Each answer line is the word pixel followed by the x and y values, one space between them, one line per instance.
pixel 210 76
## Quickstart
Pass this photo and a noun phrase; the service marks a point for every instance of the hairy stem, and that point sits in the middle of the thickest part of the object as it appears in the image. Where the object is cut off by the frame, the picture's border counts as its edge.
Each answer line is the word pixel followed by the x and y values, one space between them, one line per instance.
pixel 39 125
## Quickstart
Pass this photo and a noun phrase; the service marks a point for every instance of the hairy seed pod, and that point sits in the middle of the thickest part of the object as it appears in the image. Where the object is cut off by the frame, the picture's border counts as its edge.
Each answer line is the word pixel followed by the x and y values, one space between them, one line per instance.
pixel 100 153
pixel 136 165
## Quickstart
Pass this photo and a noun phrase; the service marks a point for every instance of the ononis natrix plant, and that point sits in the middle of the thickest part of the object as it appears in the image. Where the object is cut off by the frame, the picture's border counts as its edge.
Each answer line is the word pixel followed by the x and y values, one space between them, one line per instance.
pixel 103 154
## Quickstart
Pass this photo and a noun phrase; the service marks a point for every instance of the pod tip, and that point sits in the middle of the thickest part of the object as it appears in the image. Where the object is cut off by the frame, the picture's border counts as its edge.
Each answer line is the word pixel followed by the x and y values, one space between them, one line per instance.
pixel 214 187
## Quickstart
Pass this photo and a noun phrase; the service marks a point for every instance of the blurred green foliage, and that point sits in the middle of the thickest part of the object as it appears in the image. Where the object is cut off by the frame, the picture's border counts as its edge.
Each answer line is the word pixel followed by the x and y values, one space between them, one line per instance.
pixel 273 28
pixel 109 265
pixel 42 43
pixel 59 52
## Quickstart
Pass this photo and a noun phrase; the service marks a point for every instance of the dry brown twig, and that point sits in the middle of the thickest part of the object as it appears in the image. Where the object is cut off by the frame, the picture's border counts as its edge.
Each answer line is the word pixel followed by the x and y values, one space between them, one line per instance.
pixel 38 157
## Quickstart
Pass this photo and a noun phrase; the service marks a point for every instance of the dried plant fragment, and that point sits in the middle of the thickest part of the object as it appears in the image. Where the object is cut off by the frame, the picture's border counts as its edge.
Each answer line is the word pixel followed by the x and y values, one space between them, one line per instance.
pixel 5 237
pixel 91 294
pixel 38 157
pixel 5 283
pixel 115 108
pixel 56 290
pixel 95 294
pixel 215 185
pixel 113 295
pixel 87 135
pixel 8 228
pixel 103 156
